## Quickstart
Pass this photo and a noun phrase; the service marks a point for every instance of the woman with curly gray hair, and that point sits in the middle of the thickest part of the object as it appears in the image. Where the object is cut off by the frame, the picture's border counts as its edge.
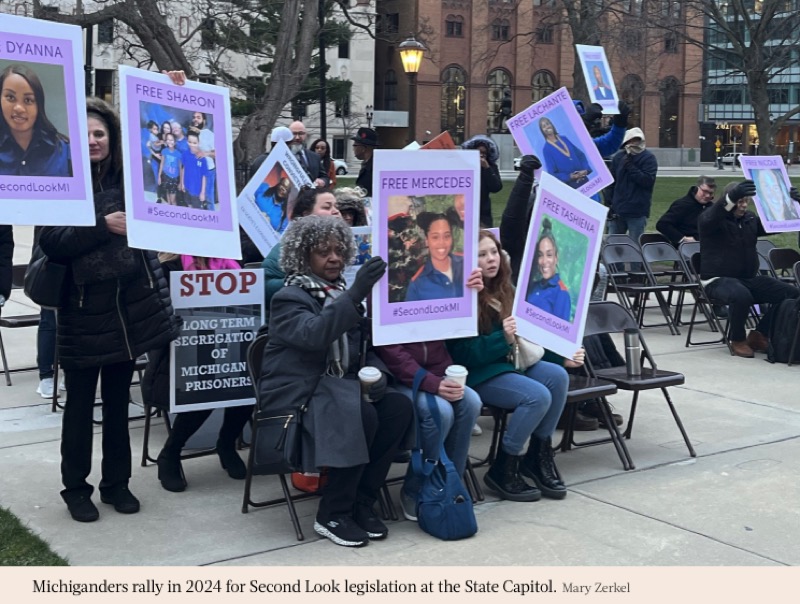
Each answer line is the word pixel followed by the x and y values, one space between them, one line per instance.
pixel 312 360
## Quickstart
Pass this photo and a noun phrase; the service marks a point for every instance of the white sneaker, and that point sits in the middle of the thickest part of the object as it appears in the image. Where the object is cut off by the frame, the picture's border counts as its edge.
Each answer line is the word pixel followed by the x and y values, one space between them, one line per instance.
pixel 409 505
pixel 61 386
pixel 476 430
pixel 45 389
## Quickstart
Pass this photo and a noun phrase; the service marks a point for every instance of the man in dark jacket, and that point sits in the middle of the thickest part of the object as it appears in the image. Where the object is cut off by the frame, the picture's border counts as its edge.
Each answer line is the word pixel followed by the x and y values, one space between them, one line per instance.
pixel 679 222
pixel 729 266
pixel 364 143
pixel 309 160
pixel 6 260
pixel 490 174
pixel 634 170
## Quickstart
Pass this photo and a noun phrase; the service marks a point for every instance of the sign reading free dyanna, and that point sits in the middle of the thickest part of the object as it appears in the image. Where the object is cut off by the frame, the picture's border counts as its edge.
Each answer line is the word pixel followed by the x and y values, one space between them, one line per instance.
pixel 221 311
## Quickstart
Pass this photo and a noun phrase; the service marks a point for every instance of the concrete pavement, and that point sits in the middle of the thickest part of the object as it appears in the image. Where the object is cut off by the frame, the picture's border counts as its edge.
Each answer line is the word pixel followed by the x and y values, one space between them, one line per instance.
pixel 735 504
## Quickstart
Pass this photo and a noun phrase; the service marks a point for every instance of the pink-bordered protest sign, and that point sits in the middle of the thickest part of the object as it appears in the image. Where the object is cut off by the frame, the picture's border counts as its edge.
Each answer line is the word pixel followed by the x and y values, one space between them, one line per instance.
pixel 45 177
pixel 552 130
pixel 598 76
pixel 558 268
pixel 778 211
pixel 179 174
pixel 425 225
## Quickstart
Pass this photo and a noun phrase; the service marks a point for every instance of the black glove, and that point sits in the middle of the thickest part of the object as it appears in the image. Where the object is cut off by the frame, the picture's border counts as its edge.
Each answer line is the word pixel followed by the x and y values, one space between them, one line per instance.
pixel 367 276
pixel 746 188
pixel 794 194
pixel 621 119
pixel 377 390
pixel 528 164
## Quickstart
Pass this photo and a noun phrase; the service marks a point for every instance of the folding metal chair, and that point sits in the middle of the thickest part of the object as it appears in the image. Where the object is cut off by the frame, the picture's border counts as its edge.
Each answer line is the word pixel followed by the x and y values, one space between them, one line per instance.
pixel 763 246
pixel 666 262
pixel 782 261
pixel 610 318
pixel 16 321
pixel 705 303
pixel 638 284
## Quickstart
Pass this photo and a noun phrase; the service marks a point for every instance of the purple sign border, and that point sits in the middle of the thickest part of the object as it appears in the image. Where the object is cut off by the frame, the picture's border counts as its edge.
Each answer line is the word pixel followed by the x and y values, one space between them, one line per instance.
pixel 775 163
pixel 185 217
pixel 560 98
pixel 551 323
pixel 388 309
pixel 75 184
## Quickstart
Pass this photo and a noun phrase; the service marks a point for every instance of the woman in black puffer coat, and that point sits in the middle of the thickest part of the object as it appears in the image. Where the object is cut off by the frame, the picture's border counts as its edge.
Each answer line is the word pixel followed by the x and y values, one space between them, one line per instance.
pixel 116 307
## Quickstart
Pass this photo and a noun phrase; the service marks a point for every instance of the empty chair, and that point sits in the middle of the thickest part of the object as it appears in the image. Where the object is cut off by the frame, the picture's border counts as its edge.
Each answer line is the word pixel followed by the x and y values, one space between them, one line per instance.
pixel 666 262
pixel 611 318
pixel 15 321
pixel 652 238
pixel 782 261
pixel 763 246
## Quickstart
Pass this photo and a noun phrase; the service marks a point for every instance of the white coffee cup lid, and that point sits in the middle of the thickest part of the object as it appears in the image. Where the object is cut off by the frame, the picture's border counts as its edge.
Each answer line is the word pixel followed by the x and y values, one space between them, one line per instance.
pixel 456 370
pixel 369 373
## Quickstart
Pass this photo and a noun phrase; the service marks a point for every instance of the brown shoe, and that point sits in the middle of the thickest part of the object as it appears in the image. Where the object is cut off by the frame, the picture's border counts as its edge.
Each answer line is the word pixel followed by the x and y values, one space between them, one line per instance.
pixel 757 341
pixel 741 349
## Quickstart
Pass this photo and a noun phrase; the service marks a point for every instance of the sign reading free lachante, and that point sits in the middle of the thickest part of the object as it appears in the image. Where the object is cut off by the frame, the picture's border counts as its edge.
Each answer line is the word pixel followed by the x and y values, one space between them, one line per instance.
pixel 221 311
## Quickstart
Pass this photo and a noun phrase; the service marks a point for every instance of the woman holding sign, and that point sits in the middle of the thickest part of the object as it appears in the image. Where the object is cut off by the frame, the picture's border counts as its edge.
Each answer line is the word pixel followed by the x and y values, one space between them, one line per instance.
pixel 30 145
pixel 312 360
pixel 562 159
pixel 547 290
pixel 536 395
pixel 115 308
pixel 442 275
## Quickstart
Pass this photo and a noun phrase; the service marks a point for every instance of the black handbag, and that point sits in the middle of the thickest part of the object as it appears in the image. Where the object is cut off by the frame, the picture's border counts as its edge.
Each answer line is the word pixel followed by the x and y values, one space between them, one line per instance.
pixel 277 444
pixel 45 280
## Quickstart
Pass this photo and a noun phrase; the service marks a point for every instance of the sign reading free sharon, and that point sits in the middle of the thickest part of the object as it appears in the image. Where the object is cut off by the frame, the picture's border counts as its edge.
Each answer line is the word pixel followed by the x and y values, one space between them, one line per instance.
pixel 221 311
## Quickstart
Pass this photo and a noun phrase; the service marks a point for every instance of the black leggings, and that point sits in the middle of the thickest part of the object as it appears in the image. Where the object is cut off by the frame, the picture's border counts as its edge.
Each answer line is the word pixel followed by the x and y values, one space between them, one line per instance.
pixel 77 429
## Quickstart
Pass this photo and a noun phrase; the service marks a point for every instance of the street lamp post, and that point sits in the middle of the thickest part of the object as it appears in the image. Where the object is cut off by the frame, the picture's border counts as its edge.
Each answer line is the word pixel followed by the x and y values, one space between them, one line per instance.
pixel 411 53
pixel 369 114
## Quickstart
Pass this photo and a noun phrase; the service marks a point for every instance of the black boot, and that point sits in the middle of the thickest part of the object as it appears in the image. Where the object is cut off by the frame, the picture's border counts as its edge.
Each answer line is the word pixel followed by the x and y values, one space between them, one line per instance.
pixel 539 465
pixel 170 471
pixel 231 461
pixel 503 477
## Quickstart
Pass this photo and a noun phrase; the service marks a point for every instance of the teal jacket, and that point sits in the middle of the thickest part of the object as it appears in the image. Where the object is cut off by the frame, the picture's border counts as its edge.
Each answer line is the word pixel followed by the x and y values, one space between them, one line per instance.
pixel 486 356
pixel 273 277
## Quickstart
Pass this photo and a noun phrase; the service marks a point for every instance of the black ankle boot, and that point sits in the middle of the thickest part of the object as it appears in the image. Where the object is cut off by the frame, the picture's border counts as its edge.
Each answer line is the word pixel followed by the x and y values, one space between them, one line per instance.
pixel 231 461
pixel 503 477
pixel 540 466
pixel 170 472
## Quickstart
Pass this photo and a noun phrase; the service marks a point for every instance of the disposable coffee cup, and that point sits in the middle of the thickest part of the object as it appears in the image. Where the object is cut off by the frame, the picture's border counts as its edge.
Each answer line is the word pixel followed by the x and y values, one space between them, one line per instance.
pixel 368 376
pixel 457 373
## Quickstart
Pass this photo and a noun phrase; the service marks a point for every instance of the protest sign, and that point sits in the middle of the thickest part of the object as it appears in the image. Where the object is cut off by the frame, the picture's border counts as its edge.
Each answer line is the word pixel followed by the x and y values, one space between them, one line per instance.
pixel 552 130
pixel 599 80
pixel 265 204
pixel 425 203
pixel 557 271
pixel 362 238
pixel 440 141
pixel 221 311
pixel 45 178
pixel 778 211
pixel 179 193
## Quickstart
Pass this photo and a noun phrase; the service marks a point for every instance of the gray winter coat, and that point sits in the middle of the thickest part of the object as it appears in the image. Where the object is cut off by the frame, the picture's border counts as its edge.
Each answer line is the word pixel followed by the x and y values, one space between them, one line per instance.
pixel 301 332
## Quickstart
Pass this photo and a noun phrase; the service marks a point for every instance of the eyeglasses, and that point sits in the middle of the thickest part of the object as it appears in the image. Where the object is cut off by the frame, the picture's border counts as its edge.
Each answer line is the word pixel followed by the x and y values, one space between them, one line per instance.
pixel 709 192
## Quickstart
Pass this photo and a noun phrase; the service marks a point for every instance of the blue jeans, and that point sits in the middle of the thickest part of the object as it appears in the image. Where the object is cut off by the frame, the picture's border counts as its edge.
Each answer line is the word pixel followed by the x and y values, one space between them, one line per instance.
pixel 46 343
pixel 633 226
pixel 457 421
pixel 536 397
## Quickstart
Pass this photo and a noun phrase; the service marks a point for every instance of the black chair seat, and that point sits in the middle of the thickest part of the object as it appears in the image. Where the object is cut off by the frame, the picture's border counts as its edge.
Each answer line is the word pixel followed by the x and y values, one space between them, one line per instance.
pixel 649 379
pixel 19 321
pixel 583 387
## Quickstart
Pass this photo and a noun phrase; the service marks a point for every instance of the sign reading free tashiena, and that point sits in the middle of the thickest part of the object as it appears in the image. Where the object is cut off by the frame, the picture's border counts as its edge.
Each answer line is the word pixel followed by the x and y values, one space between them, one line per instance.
pixel 179 185
pixel 44 152
pixel 221 311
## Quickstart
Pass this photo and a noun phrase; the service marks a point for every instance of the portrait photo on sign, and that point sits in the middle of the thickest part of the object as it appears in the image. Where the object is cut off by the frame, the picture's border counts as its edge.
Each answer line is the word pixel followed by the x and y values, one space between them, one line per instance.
pixel 426 247
pixel 178 165
pixel 778 211
pixel 552 130
pixel 45 177
pixel 34 131
pixel 274 197
pixel 558 267
pixel 599 80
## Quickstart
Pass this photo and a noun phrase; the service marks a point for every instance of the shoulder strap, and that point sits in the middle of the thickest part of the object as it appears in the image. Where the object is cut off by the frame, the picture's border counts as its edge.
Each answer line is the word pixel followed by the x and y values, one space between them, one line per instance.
pixel 420 466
